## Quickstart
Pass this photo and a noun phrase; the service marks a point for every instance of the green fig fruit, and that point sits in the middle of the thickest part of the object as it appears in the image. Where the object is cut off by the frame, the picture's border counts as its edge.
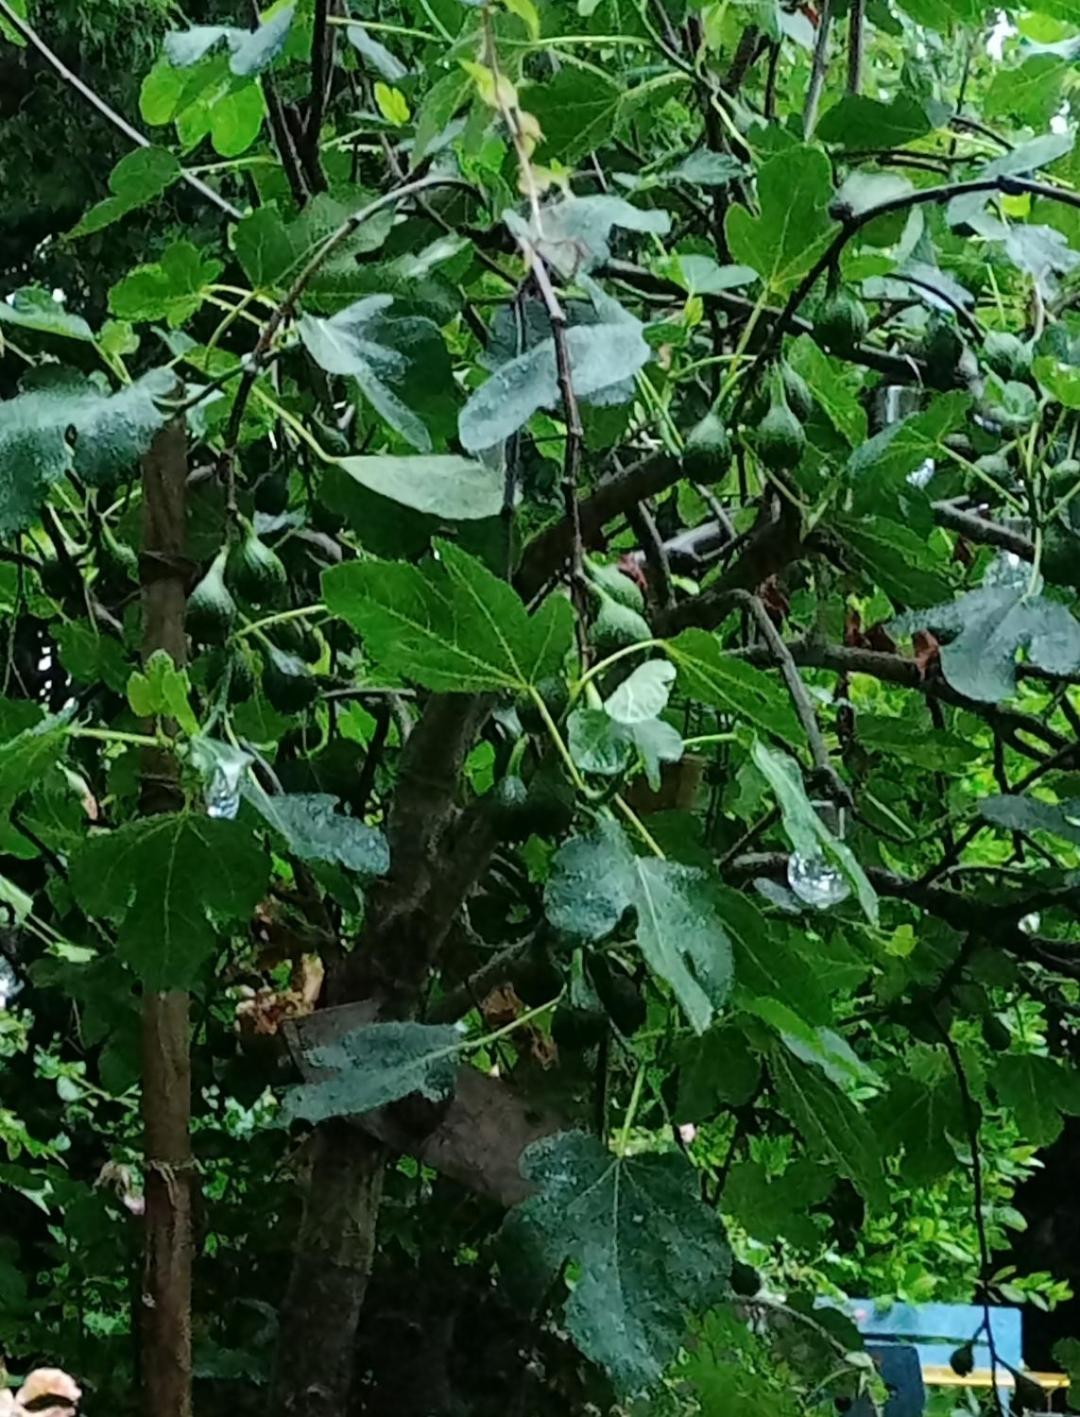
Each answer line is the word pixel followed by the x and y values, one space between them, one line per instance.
pixel 508 807
pixel 550 801
pixel 287 682
pixel 616 626
pixel 272 493
pixel 1007 355
pixel 780 439
pixel 841 324
pixel 707 454
pixel 257 572
pixel 745 1280
pixel 536 980
pixel 610 580
pixel 577 1029
pixel 619 995
pixel 797 392
pixel 555 693
pixel 211 609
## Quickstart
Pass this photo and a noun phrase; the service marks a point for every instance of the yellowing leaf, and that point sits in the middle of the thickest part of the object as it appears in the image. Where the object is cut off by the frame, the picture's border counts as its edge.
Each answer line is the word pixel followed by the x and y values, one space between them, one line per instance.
pixel 392 104
pixel 525 10
pixel 495 91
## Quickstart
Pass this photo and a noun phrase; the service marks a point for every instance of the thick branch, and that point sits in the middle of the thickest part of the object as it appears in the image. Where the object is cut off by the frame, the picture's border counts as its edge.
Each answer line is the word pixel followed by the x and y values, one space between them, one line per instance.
pixel 550 549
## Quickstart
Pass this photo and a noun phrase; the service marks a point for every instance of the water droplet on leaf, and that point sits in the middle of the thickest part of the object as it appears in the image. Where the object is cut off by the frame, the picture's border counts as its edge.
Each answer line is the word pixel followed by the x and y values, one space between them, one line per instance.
pixel 922 474
pixel 1008 571
pixel 816 882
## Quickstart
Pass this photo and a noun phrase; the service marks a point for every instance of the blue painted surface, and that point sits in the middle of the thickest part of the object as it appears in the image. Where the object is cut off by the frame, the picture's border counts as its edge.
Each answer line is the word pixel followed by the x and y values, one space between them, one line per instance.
pixel 913 1336
pixel 936 1329
pixel 901 1372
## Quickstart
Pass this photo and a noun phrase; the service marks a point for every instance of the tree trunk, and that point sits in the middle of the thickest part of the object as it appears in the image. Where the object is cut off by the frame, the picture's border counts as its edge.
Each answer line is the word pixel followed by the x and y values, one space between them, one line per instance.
pixel 330 1272
pixel 437 852
pixel 166 1082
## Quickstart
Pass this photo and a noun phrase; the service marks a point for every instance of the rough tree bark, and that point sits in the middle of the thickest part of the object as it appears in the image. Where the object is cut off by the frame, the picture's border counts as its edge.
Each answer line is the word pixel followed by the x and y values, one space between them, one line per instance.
pixel 437 853
pixel 166 1084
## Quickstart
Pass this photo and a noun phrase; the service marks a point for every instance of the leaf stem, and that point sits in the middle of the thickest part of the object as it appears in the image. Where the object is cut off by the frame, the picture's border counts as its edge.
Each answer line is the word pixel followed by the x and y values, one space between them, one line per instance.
pixel 301 612
pixel 631 1111
pixel 604 664
pixel 114 735
pixel 642 830
pixel 557 739
pixel 471 1045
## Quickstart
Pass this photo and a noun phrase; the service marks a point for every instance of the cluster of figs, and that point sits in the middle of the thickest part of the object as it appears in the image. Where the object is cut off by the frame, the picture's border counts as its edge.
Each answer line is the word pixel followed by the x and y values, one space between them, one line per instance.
pixel 250 571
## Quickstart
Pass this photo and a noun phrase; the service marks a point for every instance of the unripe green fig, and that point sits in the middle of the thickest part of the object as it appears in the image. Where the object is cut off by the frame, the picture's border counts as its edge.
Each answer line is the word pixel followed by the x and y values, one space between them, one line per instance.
pixel 555 693
pixel 841 323
pixel 707 454
pixel 745 1280
pixel 510 814
pixel 272 493
pixel 797 392
pixel 255 570
pixel 577 1029
pixel 550 801
pixel 536 980
pixel 1007 355
pixel 211 609
pixel 619 995
pixel 616 626
pixel 780 439
pixel 287 683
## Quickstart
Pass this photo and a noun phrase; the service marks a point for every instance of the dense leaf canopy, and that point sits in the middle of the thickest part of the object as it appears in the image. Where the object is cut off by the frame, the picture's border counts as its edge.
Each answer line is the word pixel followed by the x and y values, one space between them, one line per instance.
pixel 540 685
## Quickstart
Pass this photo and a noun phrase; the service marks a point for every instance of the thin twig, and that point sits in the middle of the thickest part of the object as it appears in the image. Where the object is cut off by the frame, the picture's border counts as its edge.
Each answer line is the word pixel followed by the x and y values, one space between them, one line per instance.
pixel 856 44
pixel 322 65
pixel 283 141
pixel 818 70
pixel 770 81
pixel 799 697
pixel 575 436
pixel 971 1121
pixel 27 32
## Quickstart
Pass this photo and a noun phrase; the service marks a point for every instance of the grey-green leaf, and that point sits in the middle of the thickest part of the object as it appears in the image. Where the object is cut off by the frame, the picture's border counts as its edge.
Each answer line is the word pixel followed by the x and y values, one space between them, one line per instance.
pixel 1028 814
pixel 594 880
pixel 373 1065
pixel 355 343
pixel 991 626
pixel 446 486
pixel 69 424
pixel 601 356
pixel 377 55
pixel 315 831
